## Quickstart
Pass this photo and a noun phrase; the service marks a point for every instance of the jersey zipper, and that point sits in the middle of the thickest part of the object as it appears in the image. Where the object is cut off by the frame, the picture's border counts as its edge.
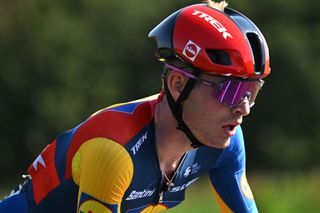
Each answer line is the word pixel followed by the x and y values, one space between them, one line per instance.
pixel 161 197
pixel 163 187
pixel 161 190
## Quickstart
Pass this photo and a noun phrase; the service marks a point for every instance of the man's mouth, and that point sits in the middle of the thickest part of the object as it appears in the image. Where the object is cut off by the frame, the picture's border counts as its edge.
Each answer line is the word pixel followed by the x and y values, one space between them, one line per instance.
pixel 230 129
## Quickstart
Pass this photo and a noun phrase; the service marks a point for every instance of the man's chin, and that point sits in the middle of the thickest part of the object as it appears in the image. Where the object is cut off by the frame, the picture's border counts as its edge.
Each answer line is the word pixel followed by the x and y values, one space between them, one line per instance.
pixel 220 144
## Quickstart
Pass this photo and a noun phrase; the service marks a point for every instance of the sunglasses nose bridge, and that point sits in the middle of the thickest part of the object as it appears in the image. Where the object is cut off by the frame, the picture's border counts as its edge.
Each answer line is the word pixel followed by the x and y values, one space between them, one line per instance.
pixel 247 96
pixel 243 107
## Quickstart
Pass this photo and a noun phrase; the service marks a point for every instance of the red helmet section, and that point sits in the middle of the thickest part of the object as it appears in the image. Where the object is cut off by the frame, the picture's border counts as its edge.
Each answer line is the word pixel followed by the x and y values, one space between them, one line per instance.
pixel 216 42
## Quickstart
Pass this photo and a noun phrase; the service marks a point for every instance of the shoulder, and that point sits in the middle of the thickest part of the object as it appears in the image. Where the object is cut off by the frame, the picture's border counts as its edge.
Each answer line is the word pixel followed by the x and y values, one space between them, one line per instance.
pixel 103 170
pixel 234 154
pixel 118 123
pixel 100 157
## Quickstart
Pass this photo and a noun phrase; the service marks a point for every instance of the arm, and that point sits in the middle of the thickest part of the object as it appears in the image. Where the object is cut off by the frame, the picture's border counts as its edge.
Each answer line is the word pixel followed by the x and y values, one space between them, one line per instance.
pixel 103 170
pixel 228 179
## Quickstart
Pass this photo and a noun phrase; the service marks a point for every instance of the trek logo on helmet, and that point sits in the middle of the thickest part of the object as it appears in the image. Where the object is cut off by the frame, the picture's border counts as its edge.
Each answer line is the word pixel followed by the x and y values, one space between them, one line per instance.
pixel 191 50
pixel 214 22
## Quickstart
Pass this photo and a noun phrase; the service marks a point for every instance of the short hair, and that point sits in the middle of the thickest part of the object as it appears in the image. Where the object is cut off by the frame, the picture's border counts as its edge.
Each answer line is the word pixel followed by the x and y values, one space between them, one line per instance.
pixel 217 5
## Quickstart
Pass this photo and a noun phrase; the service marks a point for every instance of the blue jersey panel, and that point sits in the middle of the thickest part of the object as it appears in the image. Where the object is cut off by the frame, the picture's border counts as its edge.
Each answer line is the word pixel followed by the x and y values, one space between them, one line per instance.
pixel 63 198
pixel 228 176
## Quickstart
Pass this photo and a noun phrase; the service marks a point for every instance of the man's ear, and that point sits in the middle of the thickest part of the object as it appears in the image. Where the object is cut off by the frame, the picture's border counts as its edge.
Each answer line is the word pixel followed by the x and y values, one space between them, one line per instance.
pixel 176 82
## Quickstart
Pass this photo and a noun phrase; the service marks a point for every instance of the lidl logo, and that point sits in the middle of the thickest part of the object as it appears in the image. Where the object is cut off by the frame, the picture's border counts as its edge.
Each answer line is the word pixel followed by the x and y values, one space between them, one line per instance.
pixel 89 204
pixel 92 206
pixel 191 50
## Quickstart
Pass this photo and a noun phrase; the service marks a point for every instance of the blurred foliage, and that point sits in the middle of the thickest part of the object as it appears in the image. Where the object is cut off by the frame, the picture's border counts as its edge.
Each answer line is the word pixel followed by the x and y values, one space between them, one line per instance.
pixel 285 193
pixel 63 60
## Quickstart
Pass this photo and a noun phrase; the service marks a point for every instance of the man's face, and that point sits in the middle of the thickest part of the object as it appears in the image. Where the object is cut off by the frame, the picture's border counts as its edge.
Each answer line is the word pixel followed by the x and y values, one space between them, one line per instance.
pixel 212 122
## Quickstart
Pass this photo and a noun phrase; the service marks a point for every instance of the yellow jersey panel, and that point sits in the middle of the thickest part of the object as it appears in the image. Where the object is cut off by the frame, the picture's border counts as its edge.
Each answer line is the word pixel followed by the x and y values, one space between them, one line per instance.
pixel 223 206
pixel 108 164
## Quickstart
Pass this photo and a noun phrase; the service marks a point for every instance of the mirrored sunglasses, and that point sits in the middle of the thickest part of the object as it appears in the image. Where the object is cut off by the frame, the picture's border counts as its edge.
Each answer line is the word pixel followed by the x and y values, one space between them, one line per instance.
pixel 230 92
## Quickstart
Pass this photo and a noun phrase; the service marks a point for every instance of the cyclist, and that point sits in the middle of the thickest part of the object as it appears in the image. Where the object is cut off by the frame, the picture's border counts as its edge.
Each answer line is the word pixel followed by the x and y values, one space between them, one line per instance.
pixel 141 156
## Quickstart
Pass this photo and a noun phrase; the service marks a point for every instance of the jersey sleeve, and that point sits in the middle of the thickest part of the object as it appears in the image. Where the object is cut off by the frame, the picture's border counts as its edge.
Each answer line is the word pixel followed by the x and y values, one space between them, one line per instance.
pixel 228 179
pixel 103 170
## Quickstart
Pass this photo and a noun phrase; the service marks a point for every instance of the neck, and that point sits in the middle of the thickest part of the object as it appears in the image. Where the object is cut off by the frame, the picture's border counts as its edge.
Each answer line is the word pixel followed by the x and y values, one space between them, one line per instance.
pixel 170 142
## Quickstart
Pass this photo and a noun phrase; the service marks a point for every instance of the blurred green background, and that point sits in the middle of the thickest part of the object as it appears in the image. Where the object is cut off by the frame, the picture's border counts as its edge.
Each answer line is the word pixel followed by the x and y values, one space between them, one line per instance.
pixel 60 61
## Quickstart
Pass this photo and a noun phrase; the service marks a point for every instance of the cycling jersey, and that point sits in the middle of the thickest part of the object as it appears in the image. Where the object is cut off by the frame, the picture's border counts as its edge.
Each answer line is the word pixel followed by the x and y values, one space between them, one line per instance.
pixel 109 163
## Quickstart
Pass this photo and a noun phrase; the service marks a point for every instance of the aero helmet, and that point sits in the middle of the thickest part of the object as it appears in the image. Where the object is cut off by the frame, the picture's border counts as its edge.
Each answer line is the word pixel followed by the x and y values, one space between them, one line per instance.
pixel 210 40
pixel 218 42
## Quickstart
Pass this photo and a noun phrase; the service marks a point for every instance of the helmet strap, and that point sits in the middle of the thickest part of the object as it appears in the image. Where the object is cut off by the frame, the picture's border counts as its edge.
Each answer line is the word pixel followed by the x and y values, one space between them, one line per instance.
pixel 176 108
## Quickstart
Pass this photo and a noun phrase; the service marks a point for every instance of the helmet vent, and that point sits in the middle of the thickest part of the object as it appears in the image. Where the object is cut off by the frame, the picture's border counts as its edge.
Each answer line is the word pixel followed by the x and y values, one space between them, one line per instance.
pixel 257 52
pixel 219 57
